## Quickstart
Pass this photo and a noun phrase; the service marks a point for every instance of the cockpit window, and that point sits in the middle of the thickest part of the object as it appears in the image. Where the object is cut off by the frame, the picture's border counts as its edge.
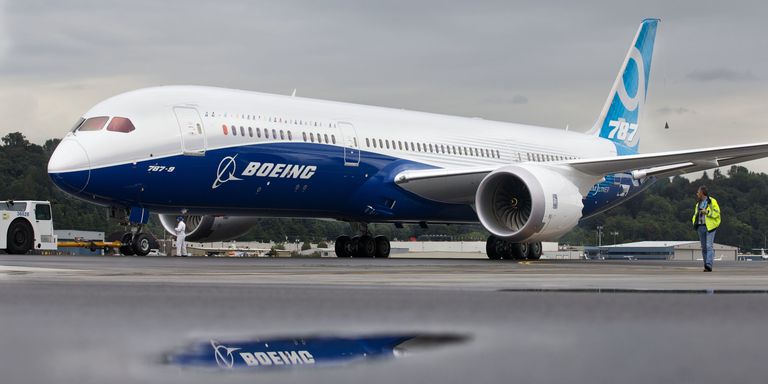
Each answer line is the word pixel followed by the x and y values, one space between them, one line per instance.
pixel 77 125
pixel 120 124
pixel 93 124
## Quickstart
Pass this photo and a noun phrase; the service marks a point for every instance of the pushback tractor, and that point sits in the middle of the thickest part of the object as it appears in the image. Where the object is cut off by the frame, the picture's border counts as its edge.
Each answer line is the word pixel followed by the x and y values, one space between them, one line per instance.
pixel 26 225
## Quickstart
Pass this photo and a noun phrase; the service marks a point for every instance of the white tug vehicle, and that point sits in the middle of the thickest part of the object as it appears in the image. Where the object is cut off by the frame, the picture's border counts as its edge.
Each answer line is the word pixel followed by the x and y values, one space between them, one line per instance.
pixel 26 225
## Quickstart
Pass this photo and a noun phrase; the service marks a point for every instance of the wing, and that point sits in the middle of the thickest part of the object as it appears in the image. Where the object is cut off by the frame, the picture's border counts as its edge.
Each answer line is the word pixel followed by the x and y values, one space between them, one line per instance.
pixel 458 185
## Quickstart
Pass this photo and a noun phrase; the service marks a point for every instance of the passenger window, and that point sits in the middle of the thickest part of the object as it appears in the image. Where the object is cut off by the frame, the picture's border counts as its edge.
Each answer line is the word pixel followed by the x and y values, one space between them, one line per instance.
pixel 274 134
pixel 250 131
pixel 266 133
pixel 226 131
pixel 312 137
pixel 374 143
pixel 326 138
pixel 282 135
pixel 400 145
pixel 258 132
pixel 387 143
pixel 242 131
pixel 381 144
pixel 418 145
pixel 333 139
pixel 42 212
pixel 354 140
pixel 234 130
pixel 367 142
pixel 304 136
pixel 93 124
pixel 290 137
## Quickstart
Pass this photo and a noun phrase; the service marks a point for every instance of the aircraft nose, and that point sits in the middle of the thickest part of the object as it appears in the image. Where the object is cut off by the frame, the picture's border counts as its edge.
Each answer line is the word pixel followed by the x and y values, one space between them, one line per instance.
pixel 69 166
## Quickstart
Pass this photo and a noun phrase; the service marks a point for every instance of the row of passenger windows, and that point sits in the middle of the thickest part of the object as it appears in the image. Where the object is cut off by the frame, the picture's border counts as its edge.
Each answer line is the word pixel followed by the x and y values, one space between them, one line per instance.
pixel 312 137
pixel 432 148
pixel 270 119
pixel 275 134
pixel 117 124
pixel 543 157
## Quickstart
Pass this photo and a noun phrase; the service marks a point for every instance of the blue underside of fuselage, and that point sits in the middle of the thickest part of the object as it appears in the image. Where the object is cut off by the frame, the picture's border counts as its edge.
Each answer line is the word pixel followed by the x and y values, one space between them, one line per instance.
pixel 364 192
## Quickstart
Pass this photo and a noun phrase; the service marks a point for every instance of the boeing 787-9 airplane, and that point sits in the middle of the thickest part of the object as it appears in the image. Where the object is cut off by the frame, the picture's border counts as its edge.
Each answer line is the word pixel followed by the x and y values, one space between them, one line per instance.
pixel 223 158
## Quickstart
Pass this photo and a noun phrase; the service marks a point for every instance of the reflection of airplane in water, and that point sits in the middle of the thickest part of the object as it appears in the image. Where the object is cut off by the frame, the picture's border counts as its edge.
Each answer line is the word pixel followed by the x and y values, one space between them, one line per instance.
pixel 289 352
pixel 231 250
pixel 239 156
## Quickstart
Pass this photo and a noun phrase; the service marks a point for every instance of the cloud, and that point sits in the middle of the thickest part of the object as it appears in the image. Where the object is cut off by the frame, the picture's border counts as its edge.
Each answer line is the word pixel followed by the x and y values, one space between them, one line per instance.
pixel 519 99
pixel 721 74
pixel 515 99
pixel 5 42
pixel 675 111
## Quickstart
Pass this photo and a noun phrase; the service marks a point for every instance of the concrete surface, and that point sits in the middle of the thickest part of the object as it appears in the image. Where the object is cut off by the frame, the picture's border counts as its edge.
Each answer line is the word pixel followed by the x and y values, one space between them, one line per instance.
pixel 112 319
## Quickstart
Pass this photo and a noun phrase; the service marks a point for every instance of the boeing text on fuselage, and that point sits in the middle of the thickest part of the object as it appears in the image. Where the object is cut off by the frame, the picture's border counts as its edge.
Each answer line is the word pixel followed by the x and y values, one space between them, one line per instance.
pixel 228 168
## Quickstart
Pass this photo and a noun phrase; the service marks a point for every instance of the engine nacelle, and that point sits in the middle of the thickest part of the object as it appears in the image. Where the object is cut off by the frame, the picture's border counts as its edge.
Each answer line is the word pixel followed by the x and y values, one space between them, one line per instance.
pixel 525 203
pixel 209 228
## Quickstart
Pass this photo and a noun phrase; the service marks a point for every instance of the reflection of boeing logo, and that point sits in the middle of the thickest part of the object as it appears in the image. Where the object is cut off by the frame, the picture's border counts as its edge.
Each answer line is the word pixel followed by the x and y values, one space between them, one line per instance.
pixel 225 172
pixel 224 357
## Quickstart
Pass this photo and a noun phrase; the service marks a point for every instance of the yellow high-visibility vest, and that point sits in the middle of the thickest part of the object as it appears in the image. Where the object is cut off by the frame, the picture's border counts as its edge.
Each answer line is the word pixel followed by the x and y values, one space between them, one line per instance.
pixel 712 217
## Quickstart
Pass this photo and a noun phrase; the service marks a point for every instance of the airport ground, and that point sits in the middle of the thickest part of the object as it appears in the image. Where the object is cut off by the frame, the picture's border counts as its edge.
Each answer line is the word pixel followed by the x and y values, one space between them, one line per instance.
pixel 113 319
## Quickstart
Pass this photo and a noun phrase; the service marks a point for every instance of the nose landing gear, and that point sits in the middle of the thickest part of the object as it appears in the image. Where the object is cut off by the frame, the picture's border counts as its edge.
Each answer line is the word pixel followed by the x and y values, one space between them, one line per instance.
pixel 135 244
pixel 497 248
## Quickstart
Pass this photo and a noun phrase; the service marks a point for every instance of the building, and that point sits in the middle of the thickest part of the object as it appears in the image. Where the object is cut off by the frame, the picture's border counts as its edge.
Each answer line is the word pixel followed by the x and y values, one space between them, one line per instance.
pixel 658 250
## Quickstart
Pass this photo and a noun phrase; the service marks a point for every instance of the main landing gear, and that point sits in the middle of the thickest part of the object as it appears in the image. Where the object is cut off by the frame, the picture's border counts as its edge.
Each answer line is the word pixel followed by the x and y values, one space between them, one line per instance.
pixel 365 245
pixel 498 248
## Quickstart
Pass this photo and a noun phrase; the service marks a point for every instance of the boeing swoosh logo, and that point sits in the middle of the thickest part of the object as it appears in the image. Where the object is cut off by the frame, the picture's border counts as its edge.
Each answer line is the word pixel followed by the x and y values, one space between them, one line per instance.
pixel 224 357
pixel 225 172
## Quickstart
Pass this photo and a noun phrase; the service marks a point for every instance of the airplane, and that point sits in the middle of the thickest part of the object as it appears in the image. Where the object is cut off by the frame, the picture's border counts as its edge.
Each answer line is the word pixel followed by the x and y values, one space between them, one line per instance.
pixel 225 157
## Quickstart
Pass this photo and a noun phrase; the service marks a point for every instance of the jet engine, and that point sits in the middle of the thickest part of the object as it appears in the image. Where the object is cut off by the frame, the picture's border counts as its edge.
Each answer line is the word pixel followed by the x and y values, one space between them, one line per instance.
pixel 527 203
pixel 209 228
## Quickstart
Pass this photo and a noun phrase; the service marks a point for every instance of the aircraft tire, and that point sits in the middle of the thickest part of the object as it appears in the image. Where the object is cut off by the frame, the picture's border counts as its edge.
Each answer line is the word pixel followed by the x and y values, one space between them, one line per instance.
pixel 514 251
pixel 342 247
pixel 20 237
pixel 524 251
pixel 366 247
pixel 494 247
pixel 382 247
pixel 127 244
pixel 140 244
pixel 534 251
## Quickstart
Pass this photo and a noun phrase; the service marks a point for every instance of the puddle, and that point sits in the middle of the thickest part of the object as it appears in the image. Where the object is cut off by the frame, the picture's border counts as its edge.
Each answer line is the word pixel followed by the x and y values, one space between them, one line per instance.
pixel 294 352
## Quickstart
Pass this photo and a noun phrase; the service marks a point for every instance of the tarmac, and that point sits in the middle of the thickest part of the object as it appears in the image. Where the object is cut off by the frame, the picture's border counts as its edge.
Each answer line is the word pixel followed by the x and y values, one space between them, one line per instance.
pixel 118 319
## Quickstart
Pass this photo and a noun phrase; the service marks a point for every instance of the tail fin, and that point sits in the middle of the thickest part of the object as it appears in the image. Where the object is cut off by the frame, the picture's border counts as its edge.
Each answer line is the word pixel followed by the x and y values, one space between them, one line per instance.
pixel 620 117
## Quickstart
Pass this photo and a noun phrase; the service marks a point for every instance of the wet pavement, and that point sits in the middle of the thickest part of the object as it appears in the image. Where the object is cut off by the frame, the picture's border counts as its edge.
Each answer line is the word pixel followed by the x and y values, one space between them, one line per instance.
pixel 133 319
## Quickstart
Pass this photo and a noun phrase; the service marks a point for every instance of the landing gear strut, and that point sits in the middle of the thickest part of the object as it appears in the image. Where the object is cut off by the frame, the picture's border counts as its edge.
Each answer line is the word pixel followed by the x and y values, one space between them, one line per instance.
pixel 133 242
pixel 497 248
pixel 362 246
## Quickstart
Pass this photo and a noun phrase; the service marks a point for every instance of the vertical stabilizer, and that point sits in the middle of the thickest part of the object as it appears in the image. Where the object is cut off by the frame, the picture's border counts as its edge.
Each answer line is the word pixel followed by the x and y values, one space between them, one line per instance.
pixel 620 118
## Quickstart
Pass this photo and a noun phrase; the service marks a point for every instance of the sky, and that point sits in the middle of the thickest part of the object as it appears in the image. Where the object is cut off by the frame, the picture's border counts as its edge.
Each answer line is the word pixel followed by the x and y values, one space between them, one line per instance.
pixel 542 63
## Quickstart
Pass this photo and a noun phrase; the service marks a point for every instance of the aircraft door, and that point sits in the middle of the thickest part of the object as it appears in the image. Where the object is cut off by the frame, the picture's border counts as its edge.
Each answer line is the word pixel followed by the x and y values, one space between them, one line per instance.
pixel 192 131
pixel 351 145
